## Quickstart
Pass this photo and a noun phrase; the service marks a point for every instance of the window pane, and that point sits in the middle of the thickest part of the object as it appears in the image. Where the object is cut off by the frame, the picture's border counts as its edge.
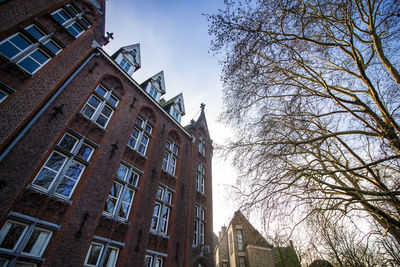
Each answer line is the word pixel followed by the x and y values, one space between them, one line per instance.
pixel 11 234
pixel 52 47
pixel 35 32
pixel 102 120
pixel 159 193
pixel 115 189
pixel 167 197
pixel 148 129
pixel 107 111
pixel 85 152
pixel 113 100
pixel 24 264
pixel 40 57
pixel 3 96
pixel 110 205
pixel 139 122
pixel 45 178
pixel 20 42
pixel 128 195
pixel 8 49
pixel 147 261
pixel 122 170
pixel 111 257
pixel 101 91
pixel 94 254
pixel 74 170
pixel 68 142
pixel 37 242
pixel 29 65
pixel 55 161
pixel 133 179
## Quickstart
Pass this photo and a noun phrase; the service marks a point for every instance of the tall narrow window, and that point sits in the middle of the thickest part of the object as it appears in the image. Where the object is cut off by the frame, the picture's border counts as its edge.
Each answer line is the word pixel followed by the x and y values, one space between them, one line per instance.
pixel 170 158
pixel 31 49
pixel 200 178
pixel 162 210
pixel 242 262
pixel 140 136
pixel 61 172
pixel 239 239
pixel 23 241
pixel 202 145
pixel 72 20
pixel 153 92
pixel 198 238
pixel 122 192
pixel 101 254
pixel 100 106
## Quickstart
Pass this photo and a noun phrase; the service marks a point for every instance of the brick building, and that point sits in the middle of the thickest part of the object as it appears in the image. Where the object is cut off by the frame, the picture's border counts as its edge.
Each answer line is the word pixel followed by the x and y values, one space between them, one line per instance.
pixel 95 169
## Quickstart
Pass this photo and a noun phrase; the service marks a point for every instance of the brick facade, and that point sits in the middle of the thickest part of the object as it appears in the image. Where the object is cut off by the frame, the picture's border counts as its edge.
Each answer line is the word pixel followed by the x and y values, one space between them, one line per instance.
pixel 41 108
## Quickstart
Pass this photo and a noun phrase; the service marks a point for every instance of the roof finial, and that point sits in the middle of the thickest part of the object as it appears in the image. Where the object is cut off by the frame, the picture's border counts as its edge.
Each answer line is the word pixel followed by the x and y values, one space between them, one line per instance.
pixel 202 106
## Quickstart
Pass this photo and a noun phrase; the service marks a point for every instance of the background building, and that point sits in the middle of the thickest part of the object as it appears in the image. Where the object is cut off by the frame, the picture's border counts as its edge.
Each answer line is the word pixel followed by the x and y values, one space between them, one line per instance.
pixel 241 245
pixel 95 169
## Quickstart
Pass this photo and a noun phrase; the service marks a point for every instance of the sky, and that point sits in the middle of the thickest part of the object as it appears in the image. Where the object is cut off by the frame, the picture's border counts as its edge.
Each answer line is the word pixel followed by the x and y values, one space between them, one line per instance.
pixel 173 37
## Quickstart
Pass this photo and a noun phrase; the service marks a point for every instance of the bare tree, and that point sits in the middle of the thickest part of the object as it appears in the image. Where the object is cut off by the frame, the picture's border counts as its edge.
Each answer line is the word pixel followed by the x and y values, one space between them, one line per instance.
pixel 312 87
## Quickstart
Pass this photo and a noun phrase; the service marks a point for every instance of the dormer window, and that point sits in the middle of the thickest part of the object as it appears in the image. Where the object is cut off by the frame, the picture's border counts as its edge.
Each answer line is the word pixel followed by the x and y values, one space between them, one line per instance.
pixel 125 64
pixel 153 92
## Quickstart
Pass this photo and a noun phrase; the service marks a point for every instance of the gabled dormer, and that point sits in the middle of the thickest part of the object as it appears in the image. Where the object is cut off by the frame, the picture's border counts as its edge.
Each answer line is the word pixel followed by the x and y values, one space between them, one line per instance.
pixel 175 107
pixel 128 57
pixel 155 86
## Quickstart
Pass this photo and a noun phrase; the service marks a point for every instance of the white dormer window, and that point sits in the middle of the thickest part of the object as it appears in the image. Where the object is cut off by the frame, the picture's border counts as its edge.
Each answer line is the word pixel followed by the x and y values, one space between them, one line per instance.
pixel 153 92
pixel 125 64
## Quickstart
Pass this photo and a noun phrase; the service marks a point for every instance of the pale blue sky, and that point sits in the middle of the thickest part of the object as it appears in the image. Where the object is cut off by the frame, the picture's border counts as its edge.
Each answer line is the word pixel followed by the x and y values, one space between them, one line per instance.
pixel 173 37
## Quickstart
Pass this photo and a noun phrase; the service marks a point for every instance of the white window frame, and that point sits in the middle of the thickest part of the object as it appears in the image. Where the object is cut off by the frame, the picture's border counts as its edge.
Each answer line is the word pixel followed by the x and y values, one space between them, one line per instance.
pixel 126 66
pixel 76 18
pixel 200 178
pixel 155 260
pixel 125 185
pixel 170 158
pixel 102 254
pixel 164 202
pixel 199 225
pixel 71 156
pixel 143 129
pixel 31 48
pixel 17 254
pixel 202 145
pixel 95 113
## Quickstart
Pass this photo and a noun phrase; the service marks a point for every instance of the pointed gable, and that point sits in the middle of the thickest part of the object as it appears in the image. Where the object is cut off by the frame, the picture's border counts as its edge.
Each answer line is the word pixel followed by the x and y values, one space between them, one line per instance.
pixel 128 57
pixel 155 86
pixel 175 107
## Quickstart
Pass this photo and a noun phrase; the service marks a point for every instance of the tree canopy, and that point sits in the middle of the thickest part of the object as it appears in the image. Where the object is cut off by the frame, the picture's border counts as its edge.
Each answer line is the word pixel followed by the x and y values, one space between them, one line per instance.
pixel 312 87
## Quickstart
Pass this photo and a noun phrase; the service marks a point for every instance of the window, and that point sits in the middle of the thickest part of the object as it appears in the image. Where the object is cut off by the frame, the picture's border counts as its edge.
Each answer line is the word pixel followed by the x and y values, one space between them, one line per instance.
pixel 153 92
pixel 31 49
pixel 170 158
pixel 3 95
pixel 242 262
pixel 63 169
pixel 22 240
pixel 199 223
pixel 162 210
pixel 175 114
pixel 140 136
pixel 100 254
pixel 122 192
pixel 202 145
pixel 153 261
pixel 200 178
pixel 125 64
pixel 224 264
pixel 100 106
pixel 71 20
pixel 239 239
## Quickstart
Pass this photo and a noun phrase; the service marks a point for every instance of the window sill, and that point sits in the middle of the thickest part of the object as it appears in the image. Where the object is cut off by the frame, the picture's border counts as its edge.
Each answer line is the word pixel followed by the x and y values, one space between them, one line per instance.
pixel 93 123
pixel 160 235
pixel 54 197
pixel 116 219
